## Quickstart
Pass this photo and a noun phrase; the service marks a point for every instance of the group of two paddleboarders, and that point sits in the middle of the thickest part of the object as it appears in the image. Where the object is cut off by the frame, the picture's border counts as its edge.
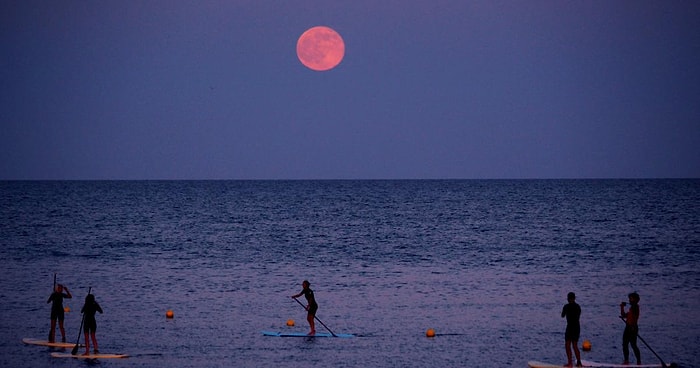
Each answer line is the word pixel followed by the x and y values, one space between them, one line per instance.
pixel 89 323
pixel 572 312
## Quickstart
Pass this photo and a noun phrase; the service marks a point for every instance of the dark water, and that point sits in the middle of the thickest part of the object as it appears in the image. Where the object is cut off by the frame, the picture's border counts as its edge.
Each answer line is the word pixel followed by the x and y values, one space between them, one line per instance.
pixel 487 264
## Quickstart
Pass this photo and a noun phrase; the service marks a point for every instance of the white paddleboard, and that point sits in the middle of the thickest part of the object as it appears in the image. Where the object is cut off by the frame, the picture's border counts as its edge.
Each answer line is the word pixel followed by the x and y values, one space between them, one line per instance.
pixel 304 334
pixel 614 365
pixel 588 363
pixel 30 341
pixel 90 356
pixel 536 364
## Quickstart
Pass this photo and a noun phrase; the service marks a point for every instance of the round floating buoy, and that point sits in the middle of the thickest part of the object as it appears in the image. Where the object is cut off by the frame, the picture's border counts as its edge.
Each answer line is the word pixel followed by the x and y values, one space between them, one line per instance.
pixel 66 309
pixel 430 333
pixel 169 314
pixel 290 322
pixel 586 345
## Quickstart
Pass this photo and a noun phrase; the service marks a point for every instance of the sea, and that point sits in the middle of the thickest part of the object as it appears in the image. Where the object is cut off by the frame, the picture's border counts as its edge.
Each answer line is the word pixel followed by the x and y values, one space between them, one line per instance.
pixel 485 264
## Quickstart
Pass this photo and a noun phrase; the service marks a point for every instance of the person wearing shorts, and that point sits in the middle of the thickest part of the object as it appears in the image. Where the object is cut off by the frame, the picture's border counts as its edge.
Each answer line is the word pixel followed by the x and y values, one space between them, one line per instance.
pixel 89 323
pixel 572 312
pixel 57 312
pixel 311 306
pixel 629 336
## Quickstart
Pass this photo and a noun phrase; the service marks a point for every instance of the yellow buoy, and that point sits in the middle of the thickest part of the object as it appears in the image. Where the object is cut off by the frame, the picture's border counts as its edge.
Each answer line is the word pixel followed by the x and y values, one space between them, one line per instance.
pixel 586 345
pixel 430 333
pixel 290 322
pixel 66 309
pixel 169 314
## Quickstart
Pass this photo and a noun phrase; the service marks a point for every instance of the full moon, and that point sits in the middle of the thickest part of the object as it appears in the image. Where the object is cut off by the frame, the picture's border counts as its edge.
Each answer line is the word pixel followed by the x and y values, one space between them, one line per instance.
pixel 320 48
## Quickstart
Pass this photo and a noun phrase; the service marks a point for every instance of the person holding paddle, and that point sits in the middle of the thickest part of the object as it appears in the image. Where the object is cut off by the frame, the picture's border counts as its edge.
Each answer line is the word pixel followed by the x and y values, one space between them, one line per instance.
pixel 311 307
pixel 90 324
pixel 572 312
pixel 57 311
pixel 629 337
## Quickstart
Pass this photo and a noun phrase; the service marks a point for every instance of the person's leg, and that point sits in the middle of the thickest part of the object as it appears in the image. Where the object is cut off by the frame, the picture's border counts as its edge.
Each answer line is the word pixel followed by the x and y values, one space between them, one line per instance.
pixel 87 341
pixel 312 323
pixel 63 330
pixel 625 347
pixel 52 333
pixel 577 352
pixel 635 348
pixel 94 342
pixel 568 354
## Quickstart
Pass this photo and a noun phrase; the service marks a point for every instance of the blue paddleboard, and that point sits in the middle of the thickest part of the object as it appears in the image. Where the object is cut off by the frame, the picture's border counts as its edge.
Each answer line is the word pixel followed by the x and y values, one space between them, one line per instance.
pixel 304 334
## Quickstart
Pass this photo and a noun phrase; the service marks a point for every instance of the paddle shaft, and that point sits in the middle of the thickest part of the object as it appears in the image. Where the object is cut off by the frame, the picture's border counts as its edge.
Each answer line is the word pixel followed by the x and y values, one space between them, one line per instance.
pixel 663 364
pixel 319 321
pixel 77 343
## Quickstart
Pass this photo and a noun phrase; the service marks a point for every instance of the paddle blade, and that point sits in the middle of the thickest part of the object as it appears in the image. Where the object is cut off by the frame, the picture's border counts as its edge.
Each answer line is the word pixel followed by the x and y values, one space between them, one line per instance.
pixel 75 349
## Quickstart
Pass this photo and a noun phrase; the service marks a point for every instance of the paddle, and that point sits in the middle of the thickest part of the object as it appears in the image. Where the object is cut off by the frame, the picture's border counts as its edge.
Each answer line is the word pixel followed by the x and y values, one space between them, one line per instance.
pixel 663 364
pixel 324 325
pixel 77 343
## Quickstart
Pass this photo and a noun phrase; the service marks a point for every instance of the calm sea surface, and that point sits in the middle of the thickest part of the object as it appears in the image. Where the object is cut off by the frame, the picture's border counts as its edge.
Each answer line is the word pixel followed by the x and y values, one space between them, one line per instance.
pixel 486 264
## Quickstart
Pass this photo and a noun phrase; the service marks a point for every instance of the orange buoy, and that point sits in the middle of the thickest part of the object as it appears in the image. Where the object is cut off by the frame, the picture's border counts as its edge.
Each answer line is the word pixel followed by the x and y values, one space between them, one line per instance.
pixel 430 333
pixel 290 322
pixel 586 346
pixel 169 314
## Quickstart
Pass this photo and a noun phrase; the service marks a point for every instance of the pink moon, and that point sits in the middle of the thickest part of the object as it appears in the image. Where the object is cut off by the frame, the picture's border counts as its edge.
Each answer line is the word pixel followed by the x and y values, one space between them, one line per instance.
pixel 320 48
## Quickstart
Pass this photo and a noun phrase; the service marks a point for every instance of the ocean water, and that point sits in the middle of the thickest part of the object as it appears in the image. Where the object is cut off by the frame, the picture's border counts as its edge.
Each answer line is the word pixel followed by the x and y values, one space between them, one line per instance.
pixel 487 264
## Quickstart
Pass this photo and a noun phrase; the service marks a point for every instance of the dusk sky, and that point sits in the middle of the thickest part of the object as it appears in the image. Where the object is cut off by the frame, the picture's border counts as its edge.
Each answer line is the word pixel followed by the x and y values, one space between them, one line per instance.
pixel 426 90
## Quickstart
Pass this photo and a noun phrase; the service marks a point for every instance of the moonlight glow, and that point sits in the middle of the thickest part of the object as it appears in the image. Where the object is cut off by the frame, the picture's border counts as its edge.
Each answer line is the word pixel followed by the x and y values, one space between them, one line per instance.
pixel 320 48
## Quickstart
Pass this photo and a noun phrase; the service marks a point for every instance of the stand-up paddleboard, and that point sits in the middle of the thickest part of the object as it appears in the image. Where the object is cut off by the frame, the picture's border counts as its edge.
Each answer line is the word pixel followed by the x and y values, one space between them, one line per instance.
pixel 30 341
pixel 536 364
pixel 90 356
pixel 587 363
pixel 304 334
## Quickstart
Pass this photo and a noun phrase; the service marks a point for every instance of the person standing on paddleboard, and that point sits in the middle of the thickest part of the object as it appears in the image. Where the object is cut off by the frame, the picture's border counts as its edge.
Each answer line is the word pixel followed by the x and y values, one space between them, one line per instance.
pixel 572 312
pixel 629 337
pixel 89 323
pixel 57 311
pixel 311 307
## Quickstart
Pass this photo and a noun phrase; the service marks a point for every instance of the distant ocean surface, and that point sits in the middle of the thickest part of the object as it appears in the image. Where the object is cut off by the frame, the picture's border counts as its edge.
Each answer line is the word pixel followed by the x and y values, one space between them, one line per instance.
pixel 487 264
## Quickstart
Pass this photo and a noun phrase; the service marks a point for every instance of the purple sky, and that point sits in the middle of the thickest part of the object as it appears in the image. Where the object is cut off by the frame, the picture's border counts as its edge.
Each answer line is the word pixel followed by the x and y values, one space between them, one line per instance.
pixel 427 89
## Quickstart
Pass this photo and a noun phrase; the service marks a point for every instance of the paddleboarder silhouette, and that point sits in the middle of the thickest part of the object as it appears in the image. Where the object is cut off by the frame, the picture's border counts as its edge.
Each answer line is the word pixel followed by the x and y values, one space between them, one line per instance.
pixel 311 307
pixel 89 309
pixel 57 312
pixel 572 312
pixel 629 337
